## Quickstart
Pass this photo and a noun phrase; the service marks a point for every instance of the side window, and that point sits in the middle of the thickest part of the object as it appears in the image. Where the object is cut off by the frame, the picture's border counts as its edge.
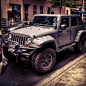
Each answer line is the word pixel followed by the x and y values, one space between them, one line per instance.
pixel 73 21
pixel 65 21
pixel 80 21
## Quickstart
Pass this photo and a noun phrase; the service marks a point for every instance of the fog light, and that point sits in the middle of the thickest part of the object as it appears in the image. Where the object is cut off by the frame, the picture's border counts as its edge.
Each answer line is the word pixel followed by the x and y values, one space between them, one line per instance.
pixel 28 45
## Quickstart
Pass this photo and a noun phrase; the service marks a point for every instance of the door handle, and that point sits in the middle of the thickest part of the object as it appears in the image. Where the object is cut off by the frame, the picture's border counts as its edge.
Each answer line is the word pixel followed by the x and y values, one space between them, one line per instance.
pixel 69 31
pixel 77 28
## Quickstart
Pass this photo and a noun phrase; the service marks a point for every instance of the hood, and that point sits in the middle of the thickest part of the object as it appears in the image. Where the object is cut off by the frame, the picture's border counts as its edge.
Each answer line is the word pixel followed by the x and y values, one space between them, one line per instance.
pixel 35 30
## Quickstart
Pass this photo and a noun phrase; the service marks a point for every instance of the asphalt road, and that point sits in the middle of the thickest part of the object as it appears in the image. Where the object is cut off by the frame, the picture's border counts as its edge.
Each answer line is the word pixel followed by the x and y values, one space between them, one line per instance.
pixel 22 74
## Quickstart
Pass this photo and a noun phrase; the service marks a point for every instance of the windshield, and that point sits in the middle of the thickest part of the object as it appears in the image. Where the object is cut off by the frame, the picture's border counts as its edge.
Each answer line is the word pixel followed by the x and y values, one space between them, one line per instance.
pixel 44 20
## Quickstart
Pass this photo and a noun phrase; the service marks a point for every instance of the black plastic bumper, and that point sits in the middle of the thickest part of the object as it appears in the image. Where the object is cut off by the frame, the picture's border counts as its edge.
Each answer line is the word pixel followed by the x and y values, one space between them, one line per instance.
pixel 18 50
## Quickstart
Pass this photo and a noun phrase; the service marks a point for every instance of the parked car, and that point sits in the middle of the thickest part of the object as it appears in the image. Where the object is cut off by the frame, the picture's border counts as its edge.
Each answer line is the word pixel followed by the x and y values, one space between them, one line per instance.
pixel 3 62
pixel 46 35
pixel 14 27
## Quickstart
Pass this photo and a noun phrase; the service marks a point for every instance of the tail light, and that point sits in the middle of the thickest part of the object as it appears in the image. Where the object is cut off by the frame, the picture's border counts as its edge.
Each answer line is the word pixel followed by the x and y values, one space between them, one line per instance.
pixel 0 54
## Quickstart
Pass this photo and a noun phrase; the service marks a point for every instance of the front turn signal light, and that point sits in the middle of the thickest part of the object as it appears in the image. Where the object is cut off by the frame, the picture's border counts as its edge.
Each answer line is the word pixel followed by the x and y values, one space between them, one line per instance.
pixel 40 45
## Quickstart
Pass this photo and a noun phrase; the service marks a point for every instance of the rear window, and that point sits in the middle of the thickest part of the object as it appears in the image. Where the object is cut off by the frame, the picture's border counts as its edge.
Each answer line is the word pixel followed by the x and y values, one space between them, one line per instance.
pixel 80 21
pixel 73 21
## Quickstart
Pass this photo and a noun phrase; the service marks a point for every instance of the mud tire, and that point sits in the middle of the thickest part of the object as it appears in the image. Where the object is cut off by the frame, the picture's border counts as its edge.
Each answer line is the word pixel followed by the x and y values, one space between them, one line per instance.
pixel 44 61
pixel 79 47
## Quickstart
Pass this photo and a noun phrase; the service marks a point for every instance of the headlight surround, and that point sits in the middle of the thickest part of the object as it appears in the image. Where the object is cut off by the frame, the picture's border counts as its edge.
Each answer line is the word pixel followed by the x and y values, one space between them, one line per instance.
pixel 8 29
pixel 29 40
pixel 9 36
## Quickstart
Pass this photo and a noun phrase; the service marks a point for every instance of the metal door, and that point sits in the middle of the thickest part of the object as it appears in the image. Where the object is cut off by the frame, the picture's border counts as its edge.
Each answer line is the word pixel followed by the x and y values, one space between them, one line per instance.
pixel 64 34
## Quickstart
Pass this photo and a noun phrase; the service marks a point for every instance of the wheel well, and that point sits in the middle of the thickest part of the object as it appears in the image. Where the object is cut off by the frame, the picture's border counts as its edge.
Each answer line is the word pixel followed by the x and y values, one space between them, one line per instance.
pixel 83 35
pixel 79 36
pixel 49 45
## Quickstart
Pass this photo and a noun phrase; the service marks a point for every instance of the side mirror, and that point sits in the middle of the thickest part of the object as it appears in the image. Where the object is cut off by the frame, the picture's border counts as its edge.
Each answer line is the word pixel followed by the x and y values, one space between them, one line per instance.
pixel 63 26
pixel 55 25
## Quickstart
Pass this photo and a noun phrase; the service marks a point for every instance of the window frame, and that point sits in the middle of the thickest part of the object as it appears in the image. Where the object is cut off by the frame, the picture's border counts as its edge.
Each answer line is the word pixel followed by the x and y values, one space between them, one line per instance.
pixel 72 22
pixel 67 21
pixel 79 22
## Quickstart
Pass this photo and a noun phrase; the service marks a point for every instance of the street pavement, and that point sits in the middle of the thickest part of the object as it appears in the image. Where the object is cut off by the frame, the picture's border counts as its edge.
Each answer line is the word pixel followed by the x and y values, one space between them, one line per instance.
pixel 69 70
pixel 22 74
pixel 72 74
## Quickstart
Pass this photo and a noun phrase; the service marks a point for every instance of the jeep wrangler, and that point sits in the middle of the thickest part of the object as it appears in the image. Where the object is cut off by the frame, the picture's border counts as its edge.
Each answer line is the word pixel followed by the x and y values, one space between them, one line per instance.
pixel 46 35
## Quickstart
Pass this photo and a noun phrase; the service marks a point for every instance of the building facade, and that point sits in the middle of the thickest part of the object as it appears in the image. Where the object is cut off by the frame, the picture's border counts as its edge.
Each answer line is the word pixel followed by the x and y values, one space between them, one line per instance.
pixel 20 10
pixel 23 10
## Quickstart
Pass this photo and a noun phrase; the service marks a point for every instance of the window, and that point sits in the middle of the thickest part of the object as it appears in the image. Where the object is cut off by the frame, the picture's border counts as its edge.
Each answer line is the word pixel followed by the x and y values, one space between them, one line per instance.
pixel 48 10
pixel 34 9
pixel 65 21
pixel 73 21
pixel 80 21
pixel 26 12
pixel 26 8
pixel 67 11
pixel 41 9
pixel 44 20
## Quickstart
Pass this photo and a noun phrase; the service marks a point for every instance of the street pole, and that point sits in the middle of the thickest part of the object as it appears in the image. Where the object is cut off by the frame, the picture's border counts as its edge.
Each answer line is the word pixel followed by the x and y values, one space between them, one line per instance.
pixel 83 5
pixel 60 5
pixel 83 10
pixel 6 14
pixel 0 13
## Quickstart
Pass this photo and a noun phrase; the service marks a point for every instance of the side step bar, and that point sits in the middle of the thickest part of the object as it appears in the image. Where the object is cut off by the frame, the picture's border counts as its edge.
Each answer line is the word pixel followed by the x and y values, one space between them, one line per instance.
pixel 65 47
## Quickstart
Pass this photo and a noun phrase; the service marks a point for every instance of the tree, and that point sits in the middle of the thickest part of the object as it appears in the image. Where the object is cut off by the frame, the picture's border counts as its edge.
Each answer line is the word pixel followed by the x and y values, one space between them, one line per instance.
pixel 70 3
pixel 85 5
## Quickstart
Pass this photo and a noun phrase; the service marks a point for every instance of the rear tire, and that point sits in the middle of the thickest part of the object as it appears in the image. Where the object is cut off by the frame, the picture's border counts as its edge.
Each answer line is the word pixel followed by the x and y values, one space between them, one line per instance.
pixel 79 47
pixel 44 61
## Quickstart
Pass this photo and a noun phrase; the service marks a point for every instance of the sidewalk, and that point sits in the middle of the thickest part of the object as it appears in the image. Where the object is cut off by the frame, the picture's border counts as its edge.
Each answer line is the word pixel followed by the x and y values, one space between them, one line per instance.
pixel 73 74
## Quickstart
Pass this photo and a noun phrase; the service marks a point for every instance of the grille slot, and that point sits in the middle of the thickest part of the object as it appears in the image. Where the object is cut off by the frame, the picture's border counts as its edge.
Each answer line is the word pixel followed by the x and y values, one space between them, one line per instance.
pixel 20 39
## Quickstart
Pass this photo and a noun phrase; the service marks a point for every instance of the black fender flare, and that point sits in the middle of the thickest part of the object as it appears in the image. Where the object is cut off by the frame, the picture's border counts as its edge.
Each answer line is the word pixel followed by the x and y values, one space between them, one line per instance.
pixel 79 34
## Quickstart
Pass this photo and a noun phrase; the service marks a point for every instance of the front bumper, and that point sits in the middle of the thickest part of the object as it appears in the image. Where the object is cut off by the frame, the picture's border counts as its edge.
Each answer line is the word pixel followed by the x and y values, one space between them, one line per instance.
pixel 17 49
pixel 3 63
pixel 3 66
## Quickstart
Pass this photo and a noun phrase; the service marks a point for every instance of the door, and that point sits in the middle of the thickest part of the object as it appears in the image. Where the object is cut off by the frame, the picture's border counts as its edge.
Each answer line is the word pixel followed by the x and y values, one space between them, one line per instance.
pixel 17 17
pixel 64 33
pixel 74 28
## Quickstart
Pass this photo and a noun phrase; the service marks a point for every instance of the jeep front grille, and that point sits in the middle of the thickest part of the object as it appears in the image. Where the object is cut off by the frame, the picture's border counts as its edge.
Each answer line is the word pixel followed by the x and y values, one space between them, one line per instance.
pixel 20 39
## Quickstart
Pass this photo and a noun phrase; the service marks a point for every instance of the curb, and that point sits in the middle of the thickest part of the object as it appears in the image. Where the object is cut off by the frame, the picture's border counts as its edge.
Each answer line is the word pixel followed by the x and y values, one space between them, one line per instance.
pixel 60 72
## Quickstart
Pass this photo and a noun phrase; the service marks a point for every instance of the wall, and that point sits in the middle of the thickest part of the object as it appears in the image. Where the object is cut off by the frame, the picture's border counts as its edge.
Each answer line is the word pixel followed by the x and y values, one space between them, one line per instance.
pixel 38 3
pixel 3 10
pixel 56 7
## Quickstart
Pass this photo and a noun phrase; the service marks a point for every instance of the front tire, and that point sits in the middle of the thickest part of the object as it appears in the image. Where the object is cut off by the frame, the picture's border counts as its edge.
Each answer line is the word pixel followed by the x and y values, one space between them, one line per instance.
pixel 79 47
pixel 44 61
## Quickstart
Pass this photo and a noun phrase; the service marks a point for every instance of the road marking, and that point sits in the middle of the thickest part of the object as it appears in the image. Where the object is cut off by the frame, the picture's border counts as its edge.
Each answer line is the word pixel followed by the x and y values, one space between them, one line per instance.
pixel 60 72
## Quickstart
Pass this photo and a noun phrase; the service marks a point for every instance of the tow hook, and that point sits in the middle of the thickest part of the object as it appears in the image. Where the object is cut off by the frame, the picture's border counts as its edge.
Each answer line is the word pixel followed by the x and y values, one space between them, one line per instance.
pixel 16 59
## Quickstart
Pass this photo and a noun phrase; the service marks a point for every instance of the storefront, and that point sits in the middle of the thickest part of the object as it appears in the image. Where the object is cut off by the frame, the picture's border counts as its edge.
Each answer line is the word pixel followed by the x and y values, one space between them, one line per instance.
pixel 14 12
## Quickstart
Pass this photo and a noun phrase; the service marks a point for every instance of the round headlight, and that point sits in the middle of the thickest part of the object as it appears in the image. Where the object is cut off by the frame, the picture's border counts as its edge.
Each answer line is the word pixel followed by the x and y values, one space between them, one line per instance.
pixel 29 40
pixel 9 36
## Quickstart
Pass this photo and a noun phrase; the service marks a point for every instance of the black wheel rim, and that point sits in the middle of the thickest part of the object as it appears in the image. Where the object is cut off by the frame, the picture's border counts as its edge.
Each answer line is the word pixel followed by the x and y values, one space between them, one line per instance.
pixel 46 60
pixel 81 45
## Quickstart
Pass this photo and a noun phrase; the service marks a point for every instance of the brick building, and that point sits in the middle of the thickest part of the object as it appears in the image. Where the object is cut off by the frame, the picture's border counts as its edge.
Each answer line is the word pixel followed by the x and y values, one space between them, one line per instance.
pixel 20 10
